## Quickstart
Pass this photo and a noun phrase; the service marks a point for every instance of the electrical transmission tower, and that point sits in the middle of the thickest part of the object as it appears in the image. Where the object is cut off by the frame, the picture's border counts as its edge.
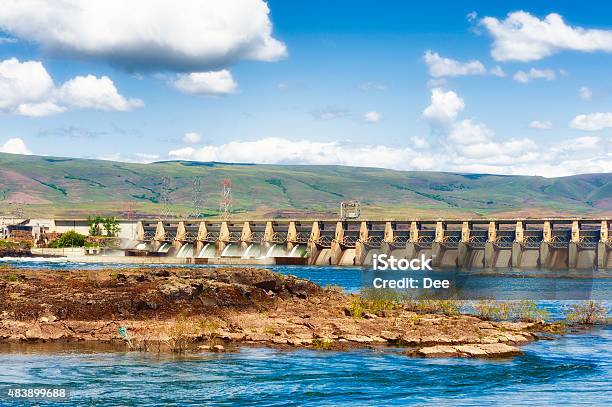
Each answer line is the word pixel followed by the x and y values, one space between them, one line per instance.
pixel 129 210
pixel 225 207
pixel 164 197
pixel 197 199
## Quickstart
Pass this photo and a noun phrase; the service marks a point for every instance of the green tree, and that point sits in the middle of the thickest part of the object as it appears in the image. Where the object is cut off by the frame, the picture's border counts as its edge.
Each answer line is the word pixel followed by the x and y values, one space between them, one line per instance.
pixel 112 226
pixel 94 225
pixel 69 239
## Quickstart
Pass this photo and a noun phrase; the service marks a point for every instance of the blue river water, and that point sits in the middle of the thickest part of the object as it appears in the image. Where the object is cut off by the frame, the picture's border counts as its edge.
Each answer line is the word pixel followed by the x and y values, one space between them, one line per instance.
pixel 572 369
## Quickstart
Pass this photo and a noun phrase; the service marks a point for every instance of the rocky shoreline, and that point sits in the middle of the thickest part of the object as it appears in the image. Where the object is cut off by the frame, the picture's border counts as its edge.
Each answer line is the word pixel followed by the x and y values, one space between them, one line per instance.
pixel 218 309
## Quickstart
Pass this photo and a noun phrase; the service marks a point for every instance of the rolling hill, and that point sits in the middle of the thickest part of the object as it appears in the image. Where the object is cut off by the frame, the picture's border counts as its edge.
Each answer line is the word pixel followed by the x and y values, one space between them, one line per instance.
pixel 71 187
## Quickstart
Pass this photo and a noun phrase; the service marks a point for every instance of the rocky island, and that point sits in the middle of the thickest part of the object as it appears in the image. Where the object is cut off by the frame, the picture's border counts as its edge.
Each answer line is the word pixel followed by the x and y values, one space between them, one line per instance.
pixel 218 309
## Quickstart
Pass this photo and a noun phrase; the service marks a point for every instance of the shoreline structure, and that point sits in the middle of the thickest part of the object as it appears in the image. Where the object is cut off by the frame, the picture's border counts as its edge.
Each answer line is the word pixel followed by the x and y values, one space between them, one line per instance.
pixel 183 310
pixel 559 243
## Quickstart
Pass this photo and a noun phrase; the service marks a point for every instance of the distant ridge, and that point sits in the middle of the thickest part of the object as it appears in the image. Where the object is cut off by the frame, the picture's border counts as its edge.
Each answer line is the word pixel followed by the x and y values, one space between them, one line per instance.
pixel 56 186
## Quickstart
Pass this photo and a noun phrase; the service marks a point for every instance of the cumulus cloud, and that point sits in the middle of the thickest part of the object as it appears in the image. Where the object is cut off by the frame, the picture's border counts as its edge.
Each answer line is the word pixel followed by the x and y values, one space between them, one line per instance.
pixel 214 83
pixel 585 93
pixel 419 143
pixel 541 124
pixel 468 132
pixel 27 89
pixel 444 106
pixel 372 117
pixel 466 145
pixel 136 158
pixel 592 122
pixel 147 35
pixel 15 146
pixel 533 73
pixel 284 151
pixel 192 138
pixel 90 92
pixel 439 66
pixel 524 37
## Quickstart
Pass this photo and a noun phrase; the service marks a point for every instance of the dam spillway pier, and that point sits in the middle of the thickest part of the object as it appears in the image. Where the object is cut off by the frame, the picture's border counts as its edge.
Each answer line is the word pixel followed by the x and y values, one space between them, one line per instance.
pixel 548 243
pixel 474 243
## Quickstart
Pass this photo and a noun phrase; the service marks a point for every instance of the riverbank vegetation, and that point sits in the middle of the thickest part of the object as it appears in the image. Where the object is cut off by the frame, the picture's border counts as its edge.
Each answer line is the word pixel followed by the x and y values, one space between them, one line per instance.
pixel 68 239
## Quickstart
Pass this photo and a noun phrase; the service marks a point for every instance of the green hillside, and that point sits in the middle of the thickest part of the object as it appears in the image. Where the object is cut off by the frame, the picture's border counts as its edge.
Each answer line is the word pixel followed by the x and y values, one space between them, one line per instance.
pixel 51 186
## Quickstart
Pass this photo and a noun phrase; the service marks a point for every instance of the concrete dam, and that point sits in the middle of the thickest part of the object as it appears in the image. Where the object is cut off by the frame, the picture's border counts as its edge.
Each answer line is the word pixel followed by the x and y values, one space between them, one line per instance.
pixel 468 243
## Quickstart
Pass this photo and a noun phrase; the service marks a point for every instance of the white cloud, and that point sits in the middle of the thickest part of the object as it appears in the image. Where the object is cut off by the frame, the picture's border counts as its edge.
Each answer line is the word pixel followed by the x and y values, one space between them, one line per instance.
pixel 372 117
pixel 444 106
pixel 439 66
pixel 192 138
pixel 15 146
pixel 147 35
pixel 541 124
pixel 499 153
pixel 419 143
pixel 285 151
pixel 39 109
pixel 214 83
pixel 585 144
pixel 90 92
pixel 27 89
pixel 533 73
pixel 23 83
pixel 592 122
pixel 524 37
pixel 585 93
pixel 467 132
pixel 137 158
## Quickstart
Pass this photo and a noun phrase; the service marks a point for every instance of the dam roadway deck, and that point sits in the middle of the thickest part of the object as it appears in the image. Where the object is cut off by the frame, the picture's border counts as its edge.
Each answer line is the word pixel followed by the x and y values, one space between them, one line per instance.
pixel 548 243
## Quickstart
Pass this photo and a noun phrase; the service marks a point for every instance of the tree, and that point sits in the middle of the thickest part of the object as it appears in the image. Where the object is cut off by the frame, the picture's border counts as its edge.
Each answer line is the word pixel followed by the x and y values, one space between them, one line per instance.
pixel 112 226
pixel 69 239
pixel 94 225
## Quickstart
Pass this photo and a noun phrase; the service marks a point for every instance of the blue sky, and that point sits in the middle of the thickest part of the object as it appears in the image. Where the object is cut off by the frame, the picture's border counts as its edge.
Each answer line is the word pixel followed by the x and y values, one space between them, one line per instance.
pixel 506 86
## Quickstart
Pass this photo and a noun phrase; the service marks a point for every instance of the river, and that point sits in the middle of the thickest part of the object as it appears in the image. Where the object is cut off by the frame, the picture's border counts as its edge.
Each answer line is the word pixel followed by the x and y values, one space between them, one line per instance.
pixel 573 369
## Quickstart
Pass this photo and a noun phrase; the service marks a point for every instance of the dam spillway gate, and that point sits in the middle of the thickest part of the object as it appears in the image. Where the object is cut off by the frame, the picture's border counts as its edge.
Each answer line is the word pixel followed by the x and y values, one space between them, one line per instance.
pixel 471 243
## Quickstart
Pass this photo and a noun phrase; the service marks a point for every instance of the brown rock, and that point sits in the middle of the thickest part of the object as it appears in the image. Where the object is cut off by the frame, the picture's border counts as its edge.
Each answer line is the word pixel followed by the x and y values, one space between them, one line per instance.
pixel 471 350
pixel 438 351
pixel 34 332
pixel 358 338
pixel 500 350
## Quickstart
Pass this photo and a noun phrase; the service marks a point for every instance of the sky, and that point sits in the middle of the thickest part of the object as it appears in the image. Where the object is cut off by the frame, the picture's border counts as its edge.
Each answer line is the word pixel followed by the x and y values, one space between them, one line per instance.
pixel 513 87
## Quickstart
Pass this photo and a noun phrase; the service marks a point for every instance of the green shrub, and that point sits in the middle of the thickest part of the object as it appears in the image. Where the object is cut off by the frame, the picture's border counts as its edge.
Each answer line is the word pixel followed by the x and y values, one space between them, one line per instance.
pixel 355 307
pixel 434 306
pixel 322 343
pixel 587 313
pixel 526 310
pixel 69 239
